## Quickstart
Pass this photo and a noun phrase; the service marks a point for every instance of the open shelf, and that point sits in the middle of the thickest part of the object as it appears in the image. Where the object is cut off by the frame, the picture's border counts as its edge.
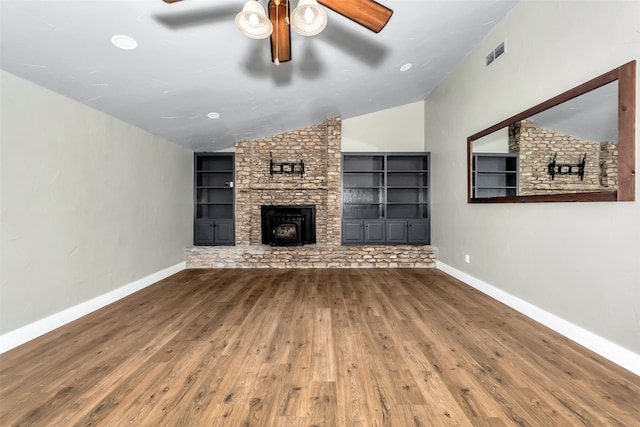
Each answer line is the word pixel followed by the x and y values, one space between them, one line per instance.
pixel 385 198
pixel 495 175
pixel 214 208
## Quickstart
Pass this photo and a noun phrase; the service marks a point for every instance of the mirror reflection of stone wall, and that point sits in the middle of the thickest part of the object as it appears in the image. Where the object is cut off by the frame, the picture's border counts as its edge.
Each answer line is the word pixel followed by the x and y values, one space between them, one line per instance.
pixel 536 147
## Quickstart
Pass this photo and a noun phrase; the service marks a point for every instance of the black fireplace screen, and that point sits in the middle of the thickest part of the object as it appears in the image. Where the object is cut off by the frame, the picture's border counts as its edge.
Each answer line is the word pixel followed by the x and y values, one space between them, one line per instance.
pixel 286 232
pixel 288 225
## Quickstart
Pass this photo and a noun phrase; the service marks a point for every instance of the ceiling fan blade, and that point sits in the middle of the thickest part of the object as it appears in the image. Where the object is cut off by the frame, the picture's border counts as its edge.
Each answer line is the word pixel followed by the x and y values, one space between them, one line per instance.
pixel 170 1
pixel 281 35
pixel 367 13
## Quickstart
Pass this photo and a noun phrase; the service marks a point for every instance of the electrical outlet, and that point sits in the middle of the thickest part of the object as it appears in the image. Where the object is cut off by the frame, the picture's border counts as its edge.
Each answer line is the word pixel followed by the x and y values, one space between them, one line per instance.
pixel 466 259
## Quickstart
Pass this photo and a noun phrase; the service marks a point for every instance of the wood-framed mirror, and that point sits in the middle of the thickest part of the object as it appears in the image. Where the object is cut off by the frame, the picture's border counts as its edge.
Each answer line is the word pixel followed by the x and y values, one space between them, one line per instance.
pixel 578 146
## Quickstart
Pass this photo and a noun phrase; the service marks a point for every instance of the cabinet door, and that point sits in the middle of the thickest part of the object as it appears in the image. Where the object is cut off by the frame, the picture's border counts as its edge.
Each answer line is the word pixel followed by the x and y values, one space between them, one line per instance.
pixel 352 232
pixel 418 232
pixel 224 232
pixel 396 231
pixel 203 233
pixel 374 232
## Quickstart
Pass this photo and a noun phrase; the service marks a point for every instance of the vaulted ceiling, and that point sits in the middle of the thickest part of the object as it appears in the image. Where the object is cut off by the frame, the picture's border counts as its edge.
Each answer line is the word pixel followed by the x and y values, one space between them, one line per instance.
pixel 191 60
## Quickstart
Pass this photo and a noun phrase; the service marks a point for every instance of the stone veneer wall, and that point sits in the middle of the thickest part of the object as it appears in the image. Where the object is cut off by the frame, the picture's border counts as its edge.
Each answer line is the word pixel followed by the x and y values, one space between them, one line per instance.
pixel 609 166
pixel 319 146
pixel 536 147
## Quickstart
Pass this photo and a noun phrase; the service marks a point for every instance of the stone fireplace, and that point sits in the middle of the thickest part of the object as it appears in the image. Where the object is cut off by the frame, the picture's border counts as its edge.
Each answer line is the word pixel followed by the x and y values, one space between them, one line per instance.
pixel 319 147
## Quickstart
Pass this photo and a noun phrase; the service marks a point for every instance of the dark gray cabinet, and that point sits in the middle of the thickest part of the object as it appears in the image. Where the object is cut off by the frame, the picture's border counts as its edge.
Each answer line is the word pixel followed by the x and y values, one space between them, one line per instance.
pixel 495 175
pixel 203 232
pixel 397 231
pixel 414 232
pixel 385 198
pixel 374 232
pixel 214 199
pixel 214 232
pixel 363 231
pixel 418 232
pixel 352 232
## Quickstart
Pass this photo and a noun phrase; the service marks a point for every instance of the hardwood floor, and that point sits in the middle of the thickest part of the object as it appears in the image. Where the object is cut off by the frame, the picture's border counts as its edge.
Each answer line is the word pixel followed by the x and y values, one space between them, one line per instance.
pixel 330 347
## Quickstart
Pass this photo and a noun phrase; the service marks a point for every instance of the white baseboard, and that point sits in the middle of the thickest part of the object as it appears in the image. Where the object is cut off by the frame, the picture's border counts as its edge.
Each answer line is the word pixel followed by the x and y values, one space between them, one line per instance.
pixel 33 330
pixel 607 349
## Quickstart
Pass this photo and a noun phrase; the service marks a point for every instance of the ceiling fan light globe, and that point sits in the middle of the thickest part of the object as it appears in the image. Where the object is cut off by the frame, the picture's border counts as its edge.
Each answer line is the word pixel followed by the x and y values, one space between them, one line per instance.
pixel 253 21
pixel 308 15
pixel 308 19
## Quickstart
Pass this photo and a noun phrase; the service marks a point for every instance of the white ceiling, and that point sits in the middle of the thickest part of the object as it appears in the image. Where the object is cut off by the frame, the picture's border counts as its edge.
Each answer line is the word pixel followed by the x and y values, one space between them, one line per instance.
pixel 592 116
pixel 191 60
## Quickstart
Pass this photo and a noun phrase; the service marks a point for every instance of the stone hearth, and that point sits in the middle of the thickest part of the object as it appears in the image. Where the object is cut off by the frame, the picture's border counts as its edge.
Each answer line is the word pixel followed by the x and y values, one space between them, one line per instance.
pixel 311 256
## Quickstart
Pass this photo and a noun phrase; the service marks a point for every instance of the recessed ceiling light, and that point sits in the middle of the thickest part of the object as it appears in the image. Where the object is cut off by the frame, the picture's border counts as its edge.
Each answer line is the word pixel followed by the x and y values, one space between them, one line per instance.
pixel 213 115
pixel 124 42
pixel 406 66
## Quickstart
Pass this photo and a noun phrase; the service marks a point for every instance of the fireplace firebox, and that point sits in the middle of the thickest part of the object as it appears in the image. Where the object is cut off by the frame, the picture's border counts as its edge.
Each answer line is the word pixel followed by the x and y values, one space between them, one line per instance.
pixel 288 225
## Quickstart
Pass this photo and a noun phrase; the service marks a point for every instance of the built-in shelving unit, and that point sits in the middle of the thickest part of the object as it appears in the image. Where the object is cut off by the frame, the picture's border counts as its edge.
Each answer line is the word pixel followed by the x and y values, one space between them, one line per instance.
pixel 214 199
pixel 495 175
pixel 385 198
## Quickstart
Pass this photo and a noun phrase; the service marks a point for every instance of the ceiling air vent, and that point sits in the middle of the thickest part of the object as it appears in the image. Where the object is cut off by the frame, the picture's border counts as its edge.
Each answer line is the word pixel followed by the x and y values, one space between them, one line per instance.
pixel 495 54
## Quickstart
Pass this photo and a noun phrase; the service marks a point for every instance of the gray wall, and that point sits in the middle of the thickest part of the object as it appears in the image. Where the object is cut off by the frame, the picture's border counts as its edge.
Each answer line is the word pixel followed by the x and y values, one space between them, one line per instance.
pixel 592 281
pixel 89 203
pixel 394 129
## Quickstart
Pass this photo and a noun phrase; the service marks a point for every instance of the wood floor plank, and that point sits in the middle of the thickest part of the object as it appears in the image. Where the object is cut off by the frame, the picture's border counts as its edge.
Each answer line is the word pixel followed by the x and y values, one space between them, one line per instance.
pixel 323 366
pixel 353 389
pixel 290 422
pixel 323 347
pixel 324 404
pixel 350 361
pixel 440 405
pixel 139 398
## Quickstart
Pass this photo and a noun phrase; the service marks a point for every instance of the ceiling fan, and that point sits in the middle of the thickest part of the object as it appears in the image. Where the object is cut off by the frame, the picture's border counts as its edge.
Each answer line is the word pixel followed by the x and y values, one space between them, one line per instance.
pixel 308 19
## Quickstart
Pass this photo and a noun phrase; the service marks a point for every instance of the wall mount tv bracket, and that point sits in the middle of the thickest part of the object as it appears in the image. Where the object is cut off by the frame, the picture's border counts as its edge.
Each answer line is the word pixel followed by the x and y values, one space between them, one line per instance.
pixel 286 168
pixel 556 168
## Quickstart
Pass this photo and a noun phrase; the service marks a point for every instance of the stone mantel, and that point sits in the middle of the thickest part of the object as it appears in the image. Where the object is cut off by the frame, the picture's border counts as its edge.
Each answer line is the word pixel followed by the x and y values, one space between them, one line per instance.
pixel 285 186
